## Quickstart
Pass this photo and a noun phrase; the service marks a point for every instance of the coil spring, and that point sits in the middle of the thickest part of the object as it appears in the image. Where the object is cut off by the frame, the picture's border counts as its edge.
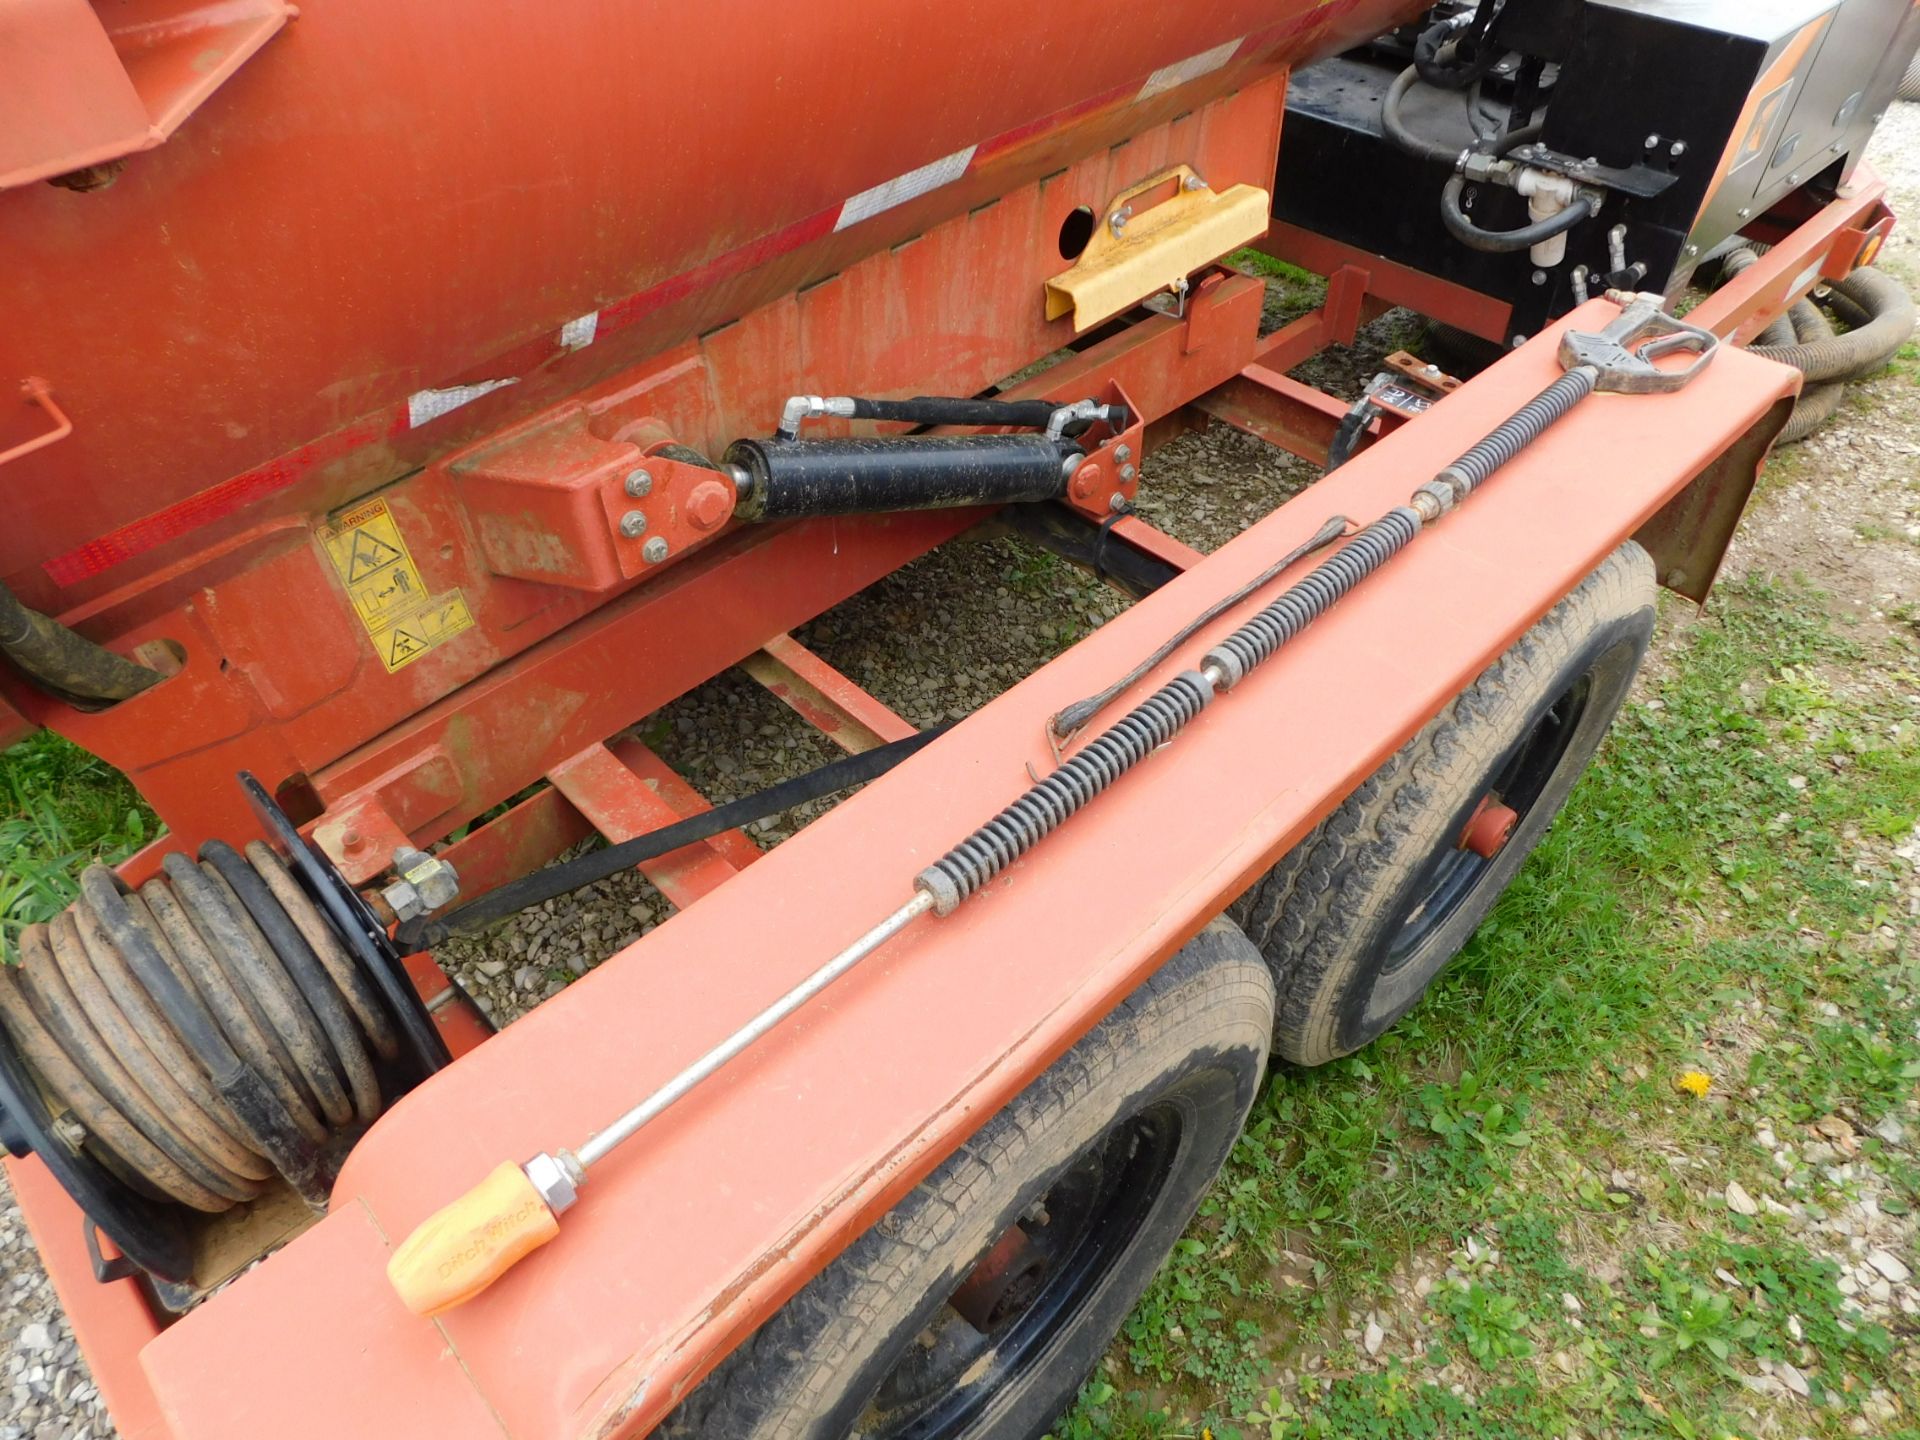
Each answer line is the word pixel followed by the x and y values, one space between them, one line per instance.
pixel 202 1033
pixel 1306 601
pixel 1520 429
pixel 1037 813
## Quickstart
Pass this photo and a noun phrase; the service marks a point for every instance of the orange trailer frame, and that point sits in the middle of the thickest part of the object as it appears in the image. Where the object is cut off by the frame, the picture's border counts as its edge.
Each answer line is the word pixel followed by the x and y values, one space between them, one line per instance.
pixel 781 1160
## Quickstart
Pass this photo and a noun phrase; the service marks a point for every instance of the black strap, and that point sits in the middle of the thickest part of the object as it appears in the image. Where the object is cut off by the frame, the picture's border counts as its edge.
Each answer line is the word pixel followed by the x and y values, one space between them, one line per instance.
pixel 423 932
pixel 1100 539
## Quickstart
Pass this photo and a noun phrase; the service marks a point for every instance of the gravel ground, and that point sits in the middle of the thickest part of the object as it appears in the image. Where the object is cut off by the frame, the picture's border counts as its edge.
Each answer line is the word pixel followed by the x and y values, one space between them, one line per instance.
pixel 949 632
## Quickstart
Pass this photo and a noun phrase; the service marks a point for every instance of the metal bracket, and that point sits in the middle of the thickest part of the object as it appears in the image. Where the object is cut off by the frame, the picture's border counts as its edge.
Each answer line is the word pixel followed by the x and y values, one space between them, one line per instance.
pixel 1640 181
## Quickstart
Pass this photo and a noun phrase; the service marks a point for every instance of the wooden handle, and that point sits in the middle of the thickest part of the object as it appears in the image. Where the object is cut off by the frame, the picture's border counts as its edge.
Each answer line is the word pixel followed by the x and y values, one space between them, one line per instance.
pixel 459 1251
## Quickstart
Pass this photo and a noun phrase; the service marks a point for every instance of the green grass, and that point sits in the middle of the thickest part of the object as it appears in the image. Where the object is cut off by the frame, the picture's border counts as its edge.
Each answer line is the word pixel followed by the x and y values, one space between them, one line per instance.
pixel 1701 889
pixel 63 809
pixel 1294 290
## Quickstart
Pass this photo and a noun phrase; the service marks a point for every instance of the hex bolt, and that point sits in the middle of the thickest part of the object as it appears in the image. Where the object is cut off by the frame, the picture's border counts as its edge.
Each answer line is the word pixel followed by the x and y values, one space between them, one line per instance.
pixel 1127 472
pixel 1123 452
pixel 654 551
pixel 1118 503
pixel 709 504
pixel 1085 479
pixel 1539 277
pixel 1653 142
pixel 639 483
pixel 633 524
pixel 1193 182
pixel 1677 149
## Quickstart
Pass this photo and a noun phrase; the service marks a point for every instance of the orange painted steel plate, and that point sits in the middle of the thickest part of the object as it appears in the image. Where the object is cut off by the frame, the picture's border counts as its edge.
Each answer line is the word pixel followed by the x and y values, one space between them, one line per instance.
pixel 392 202
pixel 692 1234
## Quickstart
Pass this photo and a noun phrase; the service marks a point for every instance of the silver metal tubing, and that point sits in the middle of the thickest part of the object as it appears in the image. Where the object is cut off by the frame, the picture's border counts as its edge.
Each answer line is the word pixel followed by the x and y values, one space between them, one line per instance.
pixel 629 1124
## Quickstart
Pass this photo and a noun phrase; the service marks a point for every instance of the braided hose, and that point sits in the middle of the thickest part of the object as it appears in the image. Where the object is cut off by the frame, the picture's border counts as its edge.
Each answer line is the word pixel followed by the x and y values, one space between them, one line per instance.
pixel 1048 803
pixel 202 1034
pixel 1039 812
pixel 1518 430
pixel 1300 605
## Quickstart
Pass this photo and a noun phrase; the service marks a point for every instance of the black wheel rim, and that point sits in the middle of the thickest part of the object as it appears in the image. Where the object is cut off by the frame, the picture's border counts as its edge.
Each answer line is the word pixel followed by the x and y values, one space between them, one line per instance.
pixel 1077 1231
pixel 1453 875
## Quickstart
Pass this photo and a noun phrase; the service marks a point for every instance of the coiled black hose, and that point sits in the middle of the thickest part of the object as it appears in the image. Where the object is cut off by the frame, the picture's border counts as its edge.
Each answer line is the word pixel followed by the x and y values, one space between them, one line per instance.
pixel 201 1034
pixel 1804 324
pixel 1037 813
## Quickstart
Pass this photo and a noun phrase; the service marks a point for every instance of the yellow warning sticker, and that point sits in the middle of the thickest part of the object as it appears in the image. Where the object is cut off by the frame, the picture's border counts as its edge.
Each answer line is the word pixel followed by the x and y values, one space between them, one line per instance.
pixel 384 586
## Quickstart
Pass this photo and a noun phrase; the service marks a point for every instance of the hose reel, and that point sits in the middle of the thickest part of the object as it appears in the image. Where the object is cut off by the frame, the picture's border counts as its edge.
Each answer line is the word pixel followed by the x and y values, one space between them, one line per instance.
pixel 214 1039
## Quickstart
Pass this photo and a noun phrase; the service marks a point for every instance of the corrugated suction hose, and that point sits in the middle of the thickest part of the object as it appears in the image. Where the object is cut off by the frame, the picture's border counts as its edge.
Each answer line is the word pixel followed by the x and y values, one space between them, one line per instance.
pixel 201 1034
pixel 1881 316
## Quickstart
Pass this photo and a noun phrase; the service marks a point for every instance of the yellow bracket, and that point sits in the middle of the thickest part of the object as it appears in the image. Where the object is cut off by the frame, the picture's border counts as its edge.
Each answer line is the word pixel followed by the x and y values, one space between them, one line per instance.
pixel 1136 251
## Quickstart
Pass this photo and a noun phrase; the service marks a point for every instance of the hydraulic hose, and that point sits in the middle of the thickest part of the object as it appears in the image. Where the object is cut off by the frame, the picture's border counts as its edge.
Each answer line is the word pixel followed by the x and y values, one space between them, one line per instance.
pixel 1395 127
pixel 563 879
pixel 64 662
pixel 1436 57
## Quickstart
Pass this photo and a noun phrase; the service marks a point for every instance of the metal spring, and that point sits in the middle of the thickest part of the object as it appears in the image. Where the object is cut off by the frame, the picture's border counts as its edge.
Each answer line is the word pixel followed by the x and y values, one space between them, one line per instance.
pixel 1032 817
pixel 201 1034
pixel 1520 429
pixel 1301 604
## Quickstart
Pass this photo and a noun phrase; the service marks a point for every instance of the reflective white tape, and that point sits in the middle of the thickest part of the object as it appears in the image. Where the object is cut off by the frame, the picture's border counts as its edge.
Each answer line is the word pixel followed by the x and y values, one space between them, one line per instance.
pixel 903 188
pixel 1171 77
pixel 578 332
pixel 425 405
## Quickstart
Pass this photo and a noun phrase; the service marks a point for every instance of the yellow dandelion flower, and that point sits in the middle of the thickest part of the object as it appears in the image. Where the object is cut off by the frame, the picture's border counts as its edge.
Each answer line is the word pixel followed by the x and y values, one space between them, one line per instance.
pixel 1694 1082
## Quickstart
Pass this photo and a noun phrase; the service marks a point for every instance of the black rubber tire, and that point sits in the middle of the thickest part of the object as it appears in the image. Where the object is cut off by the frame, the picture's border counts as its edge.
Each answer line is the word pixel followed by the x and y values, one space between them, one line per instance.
pixel 1328 915
pixel 1193 1038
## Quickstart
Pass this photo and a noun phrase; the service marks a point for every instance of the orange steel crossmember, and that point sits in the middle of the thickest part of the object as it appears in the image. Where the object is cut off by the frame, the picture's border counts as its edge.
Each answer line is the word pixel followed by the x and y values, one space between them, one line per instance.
pixel 733 1201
